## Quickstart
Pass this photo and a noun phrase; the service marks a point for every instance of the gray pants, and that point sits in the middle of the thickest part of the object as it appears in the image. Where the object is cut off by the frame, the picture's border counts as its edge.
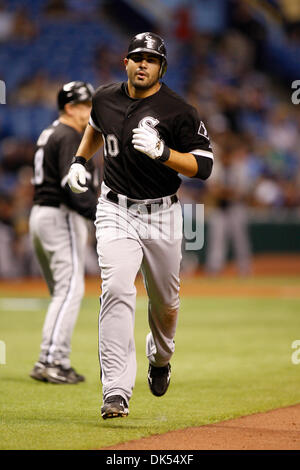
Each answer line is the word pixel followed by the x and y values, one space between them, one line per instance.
pixel 127 241
pixel 59 237
pixel 223 226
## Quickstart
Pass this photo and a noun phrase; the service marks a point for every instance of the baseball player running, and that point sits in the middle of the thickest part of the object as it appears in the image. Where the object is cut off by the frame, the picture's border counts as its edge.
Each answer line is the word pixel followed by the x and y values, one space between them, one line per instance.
pixel 150 134
pixel 59 229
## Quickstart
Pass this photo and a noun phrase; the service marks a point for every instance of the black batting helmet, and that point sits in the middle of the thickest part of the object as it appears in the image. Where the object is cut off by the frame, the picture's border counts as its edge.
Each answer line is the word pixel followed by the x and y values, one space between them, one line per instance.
pixel 74 92
pixel 151 43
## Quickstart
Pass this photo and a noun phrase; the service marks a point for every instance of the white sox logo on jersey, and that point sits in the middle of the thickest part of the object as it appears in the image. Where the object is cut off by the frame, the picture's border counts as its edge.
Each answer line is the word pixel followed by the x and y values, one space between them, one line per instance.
pixel 111 145
pixel 149 124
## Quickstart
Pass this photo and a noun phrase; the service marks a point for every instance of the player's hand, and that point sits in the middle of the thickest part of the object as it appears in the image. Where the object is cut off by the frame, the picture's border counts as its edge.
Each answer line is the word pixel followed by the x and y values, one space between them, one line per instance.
pixel 77 178
pixel 147 142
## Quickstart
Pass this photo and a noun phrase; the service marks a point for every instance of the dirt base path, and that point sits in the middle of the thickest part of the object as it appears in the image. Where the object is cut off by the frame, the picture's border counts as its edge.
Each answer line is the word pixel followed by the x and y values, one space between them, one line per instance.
pixel 228 284
pixel 274 430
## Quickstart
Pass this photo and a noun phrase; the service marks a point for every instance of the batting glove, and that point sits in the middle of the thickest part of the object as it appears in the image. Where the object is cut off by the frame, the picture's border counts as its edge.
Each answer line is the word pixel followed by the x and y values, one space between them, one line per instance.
pixel 77 177
pixel 149 143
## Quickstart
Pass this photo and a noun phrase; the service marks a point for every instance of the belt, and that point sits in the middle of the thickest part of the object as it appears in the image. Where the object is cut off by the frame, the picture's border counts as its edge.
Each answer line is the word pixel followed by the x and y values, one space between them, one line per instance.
pixel 112 196
pixel 49 204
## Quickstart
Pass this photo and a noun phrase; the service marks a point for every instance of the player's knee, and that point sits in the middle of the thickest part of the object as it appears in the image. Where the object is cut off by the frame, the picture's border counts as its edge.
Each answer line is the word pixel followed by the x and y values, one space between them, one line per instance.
pixel 117 289
pixel 68 286
pixel 60 289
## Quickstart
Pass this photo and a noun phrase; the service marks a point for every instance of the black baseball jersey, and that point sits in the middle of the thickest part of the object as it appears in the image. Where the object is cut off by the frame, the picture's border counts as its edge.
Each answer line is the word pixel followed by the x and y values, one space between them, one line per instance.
pixel 56 147
pixel 127 171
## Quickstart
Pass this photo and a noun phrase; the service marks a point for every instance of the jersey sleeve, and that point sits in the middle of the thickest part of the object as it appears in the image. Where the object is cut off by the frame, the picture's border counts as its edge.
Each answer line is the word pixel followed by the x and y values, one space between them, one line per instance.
pixel 93 121
pixel 191 135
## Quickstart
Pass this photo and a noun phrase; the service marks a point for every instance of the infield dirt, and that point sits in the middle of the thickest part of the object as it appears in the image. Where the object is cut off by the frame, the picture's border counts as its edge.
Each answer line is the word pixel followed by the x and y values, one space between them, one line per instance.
pixel 274 430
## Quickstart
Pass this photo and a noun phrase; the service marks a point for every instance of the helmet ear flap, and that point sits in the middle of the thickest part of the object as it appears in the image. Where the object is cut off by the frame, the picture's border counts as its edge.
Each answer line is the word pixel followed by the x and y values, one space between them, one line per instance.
pixel 163 68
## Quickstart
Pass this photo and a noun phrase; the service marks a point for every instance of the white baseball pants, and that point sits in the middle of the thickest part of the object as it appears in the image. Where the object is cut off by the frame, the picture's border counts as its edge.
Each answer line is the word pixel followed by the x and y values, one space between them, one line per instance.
pixel 127 240
pixel 59 237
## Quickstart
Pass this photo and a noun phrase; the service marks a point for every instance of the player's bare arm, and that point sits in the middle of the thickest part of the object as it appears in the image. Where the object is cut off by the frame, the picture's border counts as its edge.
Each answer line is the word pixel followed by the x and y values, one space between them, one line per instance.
pixel 91 142
pixel 184 163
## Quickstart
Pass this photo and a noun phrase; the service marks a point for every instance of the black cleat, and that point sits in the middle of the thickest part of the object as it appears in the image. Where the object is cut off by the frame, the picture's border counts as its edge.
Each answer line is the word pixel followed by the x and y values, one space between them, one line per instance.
pixel 159 379
pixel 114 407
pixel 56 374
pixel 38 372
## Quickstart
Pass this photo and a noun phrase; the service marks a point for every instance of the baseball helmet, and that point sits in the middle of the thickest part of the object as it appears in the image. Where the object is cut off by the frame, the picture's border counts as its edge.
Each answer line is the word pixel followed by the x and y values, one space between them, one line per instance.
pixel 151 43
pixel 74 92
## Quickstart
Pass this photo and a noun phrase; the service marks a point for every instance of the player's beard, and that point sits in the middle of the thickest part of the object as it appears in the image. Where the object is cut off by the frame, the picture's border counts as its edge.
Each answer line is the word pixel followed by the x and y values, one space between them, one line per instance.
pixel 143 85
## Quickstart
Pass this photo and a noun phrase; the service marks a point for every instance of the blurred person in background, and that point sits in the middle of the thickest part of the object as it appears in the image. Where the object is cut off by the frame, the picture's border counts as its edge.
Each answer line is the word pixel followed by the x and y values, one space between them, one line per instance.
pixel 6 22
pixel 291 16
pixel 58 225
pixel 242 19
pixel 56 8
pixel 8 258
pixel 268 191
pixel 16 198
pixel 228 193
pixel 37 90
pixel 24 28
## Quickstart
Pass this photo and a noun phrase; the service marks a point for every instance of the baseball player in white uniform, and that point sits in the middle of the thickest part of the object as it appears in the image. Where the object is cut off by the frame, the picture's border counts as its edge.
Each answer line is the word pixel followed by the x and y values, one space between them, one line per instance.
pixel 59 230
pixel 150 134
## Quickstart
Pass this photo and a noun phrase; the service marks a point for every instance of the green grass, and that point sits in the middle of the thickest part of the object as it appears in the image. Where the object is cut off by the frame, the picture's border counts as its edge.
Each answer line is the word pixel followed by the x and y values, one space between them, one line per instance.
pixel 233 357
